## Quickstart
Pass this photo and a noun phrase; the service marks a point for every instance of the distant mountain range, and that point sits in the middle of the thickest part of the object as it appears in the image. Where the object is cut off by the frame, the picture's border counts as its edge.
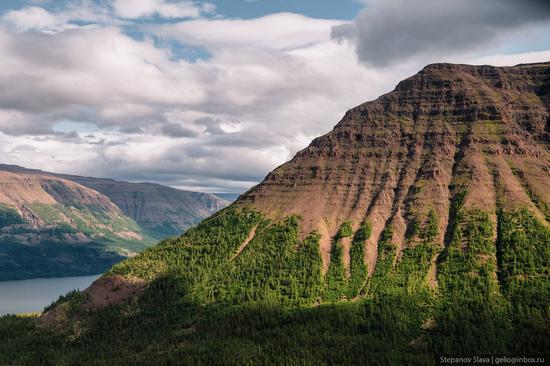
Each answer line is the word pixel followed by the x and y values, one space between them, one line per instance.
pixel 162 211
pixel 61 225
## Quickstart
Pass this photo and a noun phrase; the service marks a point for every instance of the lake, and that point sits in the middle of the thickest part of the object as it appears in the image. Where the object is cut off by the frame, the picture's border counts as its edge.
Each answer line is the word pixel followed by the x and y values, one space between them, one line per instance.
pixel 25 296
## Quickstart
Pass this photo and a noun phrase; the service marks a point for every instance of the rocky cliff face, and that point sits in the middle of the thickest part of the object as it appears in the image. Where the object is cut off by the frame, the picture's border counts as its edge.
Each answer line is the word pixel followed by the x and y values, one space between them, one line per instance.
pixel 449 129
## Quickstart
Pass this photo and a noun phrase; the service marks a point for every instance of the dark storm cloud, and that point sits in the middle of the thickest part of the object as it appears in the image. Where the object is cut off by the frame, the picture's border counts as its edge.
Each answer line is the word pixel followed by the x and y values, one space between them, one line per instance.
pixel 390 31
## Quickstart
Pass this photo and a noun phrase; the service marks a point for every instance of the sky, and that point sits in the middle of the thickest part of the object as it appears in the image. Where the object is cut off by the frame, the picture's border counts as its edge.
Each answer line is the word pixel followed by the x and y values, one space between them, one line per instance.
pixel 213 95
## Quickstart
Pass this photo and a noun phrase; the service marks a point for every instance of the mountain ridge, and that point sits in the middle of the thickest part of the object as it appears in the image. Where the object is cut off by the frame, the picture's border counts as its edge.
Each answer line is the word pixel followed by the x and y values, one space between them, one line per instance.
pixel 402 116
pixel 154 206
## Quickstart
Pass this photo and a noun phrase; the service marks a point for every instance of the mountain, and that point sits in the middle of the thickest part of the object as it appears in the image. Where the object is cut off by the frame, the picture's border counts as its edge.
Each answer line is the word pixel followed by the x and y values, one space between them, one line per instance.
pixel 416 230
pixel 58 225
pixel 162 211
pixel 451 131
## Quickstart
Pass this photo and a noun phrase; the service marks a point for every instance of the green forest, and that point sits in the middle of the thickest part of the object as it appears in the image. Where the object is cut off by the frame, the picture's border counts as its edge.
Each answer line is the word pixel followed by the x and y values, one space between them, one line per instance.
pixel 212 302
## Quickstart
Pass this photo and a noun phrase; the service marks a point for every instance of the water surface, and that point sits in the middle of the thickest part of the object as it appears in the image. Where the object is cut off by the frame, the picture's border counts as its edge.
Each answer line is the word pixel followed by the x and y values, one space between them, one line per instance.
pixel 26 296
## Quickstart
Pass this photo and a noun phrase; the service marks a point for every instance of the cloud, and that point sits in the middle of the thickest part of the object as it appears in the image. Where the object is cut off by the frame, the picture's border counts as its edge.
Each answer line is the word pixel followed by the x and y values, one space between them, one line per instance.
pixel 71 15
pixel 16 123
pixel 514 59
pixel 391 31
pixel 31 18
pixel 120 111
pixel 23 148
pixel 277 31
pixel 77 68
pixel 77 14
pixel 132 9
pixel 212 126
pixel 91 98
pixel 177 130
pixel 260 98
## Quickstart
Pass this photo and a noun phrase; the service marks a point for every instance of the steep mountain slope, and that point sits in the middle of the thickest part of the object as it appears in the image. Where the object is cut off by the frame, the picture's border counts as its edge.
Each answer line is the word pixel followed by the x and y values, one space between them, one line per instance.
pixel 449 130
pixel 61 225
pixel 417 228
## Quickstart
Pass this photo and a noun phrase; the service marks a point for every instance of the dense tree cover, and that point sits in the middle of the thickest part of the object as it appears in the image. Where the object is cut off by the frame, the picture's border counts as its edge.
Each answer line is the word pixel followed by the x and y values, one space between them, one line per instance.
pixel 274 265
pixel 184 333
pixel 8 216
pixel 471 309
pixel 336 278
pixel 201 248
pixel 478 313
pixel 524 261
pixel 210 303
pixel 384 261
pixel 358 268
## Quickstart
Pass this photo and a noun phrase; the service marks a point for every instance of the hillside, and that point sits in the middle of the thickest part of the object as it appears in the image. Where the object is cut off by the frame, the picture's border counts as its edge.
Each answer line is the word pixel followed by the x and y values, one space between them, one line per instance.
pixel 55 225
pixel 417 228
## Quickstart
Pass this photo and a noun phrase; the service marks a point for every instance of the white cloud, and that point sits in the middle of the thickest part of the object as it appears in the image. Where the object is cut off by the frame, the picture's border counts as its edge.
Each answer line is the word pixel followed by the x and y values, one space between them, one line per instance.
pixel 92 100
pixel 121 12
pixel 90 67
pixel 117 112
pixel 31 18
pixel 514 59
pixel 278 31
pixel 39 19
pixel 264 102
pixel 132 9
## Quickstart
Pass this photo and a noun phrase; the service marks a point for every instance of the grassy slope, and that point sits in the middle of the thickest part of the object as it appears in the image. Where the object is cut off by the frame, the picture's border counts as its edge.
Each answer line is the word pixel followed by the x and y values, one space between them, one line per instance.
pixel 261 308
